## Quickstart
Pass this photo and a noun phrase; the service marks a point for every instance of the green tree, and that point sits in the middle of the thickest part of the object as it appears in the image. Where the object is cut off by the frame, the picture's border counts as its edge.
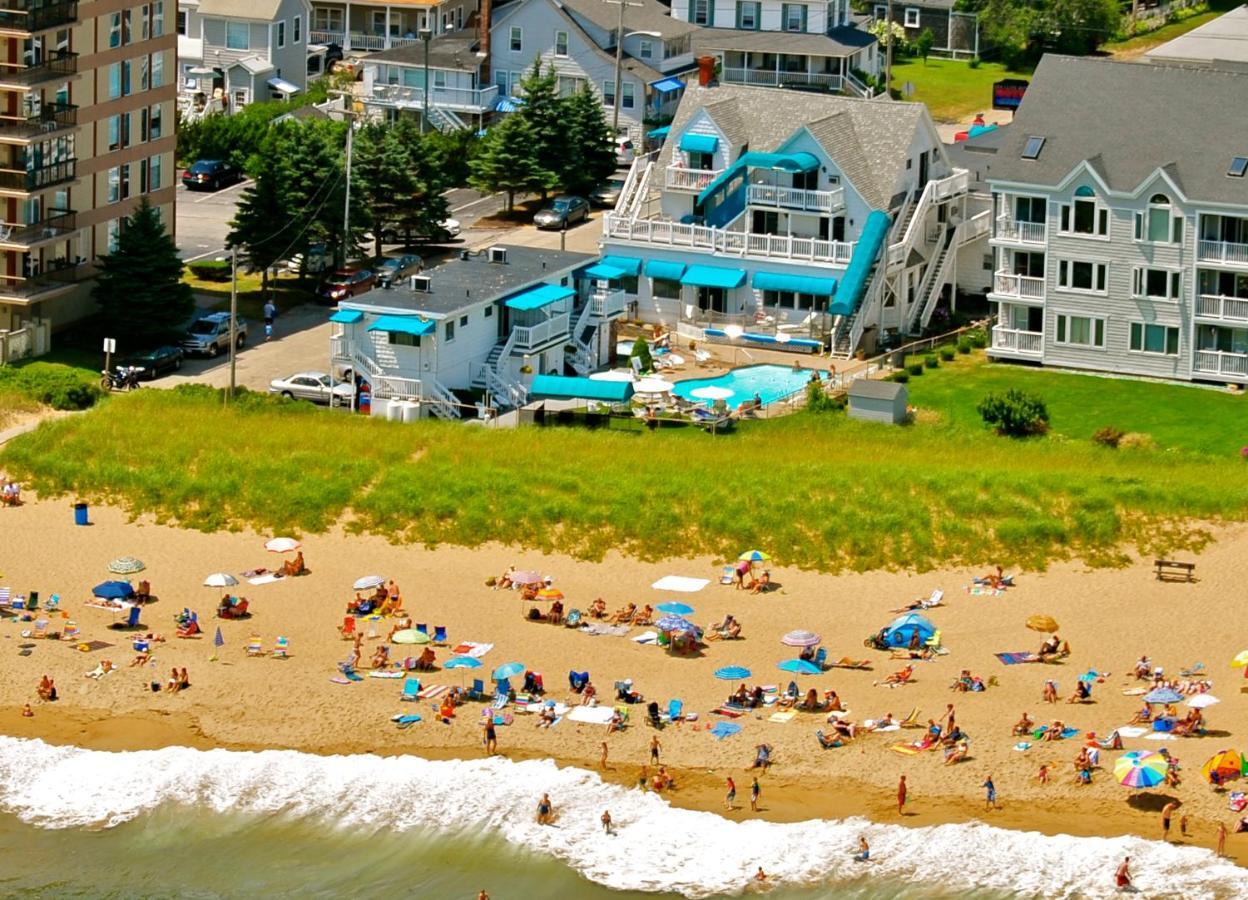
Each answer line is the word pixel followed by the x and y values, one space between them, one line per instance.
pixel 317 188
pixel 1021 30
pixel 391 171
pixel 543 111
pixel 641 353
pixel 262 223
pixel 923 43
pixel 589 154
pixel 139 287
pixel 1015 413
pixel 507 161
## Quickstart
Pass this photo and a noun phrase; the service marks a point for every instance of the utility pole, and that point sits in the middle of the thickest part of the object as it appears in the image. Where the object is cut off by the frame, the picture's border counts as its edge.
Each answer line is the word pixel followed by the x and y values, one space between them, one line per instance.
pixel 349 114
pixel 888 54
pixel 233 317
pixel 619 63
pixel 425 35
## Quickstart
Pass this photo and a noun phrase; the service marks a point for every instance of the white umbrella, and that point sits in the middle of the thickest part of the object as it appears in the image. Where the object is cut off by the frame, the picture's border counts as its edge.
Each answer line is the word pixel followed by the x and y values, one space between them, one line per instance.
pixel 652 386
pixel 369 581
pixel 612 375
pixel 281 545
pixel 220 580
pixel 711 392
pixel 734 331
pixel 1200 701
pixel 783 337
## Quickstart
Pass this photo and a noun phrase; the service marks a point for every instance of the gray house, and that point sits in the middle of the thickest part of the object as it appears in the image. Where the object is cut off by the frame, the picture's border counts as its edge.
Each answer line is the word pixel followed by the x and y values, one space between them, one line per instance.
pixel 956 32
pixel 878 401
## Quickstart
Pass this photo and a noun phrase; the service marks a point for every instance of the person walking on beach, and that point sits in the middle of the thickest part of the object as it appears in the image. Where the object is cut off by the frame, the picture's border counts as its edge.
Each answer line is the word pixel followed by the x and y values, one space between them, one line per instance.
pixel 901 796
pixel 606 821
pixel 545 810
pixel 1221 840
pixel 990 801
pixel 1166 812
pixel 755 791
pixel 655 747
pixel 602 762
pixel 491 736
pixel 1122 878
pixel 731 795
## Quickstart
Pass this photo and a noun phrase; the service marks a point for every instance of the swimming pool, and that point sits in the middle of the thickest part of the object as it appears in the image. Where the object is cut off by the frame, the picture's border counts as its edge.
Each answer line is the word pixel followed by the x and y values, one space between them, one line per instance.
pixel 770 382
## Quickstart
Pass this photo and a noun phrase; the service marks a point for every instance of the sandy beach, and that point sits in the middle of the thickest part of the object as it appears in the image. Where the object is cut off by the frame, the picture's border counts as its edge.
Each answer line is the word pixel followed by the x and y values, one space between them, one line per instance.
pixel 1109 616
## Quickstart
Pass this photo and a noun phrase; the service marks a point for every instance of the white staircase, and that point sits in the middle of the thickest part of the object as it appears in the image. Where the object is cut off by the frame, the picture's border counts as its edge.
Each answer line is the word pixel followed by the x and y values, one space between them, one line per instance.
pixel 492 376
pixel 444 119
pixel 935 277
pixel 442 403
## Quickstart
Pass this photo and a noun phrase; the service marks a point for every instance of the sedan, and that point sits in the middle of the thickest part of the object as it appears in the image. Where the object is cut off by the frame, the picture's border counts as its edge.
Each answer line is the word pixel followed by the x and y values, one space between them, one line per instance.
pixel 562 212
pixel 314 386
pixel 396 267
pixel 210 175
pixel 154 363
pixel 346 283
pixel 607 193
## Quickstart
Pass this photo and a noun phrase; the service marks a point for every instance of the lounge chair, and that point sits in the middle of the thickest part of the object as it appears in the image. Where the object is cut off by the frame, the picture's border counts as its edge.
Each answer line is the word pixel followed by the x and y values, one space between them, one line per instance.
pixel 6 596
pixel 188 629
pixel 501 699
pixel 132 620
pixel 821 658
pixel 255 646
pixel 281 649
pixel 54 603
pixel 411 690
pixel 477 691
pixel 727 575
pixel 933 642
pixel 675 710
pixel 573 619
pixel 912 720
pixel 439 634
pixel 652 714
pixel 623 711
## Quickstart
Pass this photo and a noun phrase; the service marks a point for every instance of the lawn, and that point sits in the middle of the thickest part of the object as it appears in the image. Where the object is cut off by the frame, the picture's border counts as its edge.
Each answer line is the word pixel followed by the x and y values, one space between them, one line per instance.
pixel 1136 46
pixel 818 490
pixel 952 90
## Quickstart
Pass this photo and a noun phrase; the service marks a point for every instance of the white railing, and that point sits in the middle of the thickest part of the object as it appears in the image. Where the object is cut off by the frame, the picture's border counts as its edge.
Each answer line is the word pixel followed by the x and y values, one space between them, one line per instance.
pixel 317 36
pixel 1017 341
pixel 1021 232
pixel 473 99
pixel 1216 306
pixel 680 178
pixel 795 198
pixel 929 287
pixel 505 391
pixel 856 86
pixel 975 227
pixel 953 186
pixel 899 251
pixel 1222 252
pixel 773 78
pixel 1024 287
pixel 395 387
pixel 442 403
pixel 528 336
pixel 1218 362
pixel 15 345
pixel 607 303
pixel 734 243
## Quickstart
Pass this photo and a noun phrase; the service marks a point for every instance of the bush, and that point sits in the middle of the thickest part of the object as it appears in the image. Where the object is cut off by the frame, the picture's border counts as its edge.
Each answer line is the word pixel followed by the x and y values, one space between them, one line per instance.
pixel 974 63
pixel 1015 413
pixel 210 269
pixel 1137 440
pixel 1109 436
pixel 900 377
pixel 52 384
pixel 931 361
pixel 641 351
pixel 964 346
pixel 915 369
pixel 946 354
pixel 976 338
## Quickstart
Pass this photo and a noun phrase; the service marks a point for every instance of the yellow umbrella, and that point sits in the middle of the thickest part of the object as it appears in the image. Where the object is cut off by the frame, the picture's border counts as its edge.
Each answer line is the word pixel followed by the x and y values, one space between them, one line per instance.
pixel 1047 624
pixel 1241 660
pixel 550 594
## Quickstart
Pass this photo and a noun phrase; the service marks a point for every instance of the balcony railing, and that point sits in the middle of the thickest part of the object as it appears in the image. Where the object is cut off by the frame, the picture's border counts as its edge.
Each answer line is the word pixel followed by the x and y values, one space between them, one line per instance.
pixel 795 198
pixel 52 117
pixel 476 100
pixel 728 243
pixel 1021 232
pixel 1218 362
pixel 32 15
pixel 53 66
pixel 1216 306
pixel 605 304
pixel 1016 341
pixel 532 336
pixel 57 223
pixel 27 180
pixel 680 178
pixel 1025 287
pixel 59 274
pixel 773 78
pixel 1222 252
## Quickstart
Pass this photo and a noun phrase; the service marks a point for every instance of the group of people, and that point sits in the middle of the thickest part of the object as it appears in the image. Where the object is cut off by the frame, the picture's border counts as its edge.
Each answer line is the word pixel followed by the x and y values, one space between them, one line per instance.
pixel 757 584
pixel 10 493
pixel 727 630
pixel 384 601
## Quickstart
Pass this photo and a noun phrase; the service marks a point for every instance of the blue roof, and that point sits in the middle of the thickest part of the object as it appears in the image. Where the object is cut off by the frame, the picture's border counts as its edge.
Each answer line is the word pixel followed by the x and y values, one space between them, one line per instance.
pixel 566 387
pixel 661 268
pixel 713 277
pixel 346 316
pixel 403 324
pixel 798 284
pixel 854 281
pixel 629 265
pixel 800 161
pixel 537 297
pixel 604 271
pixel 659 132
pixel 698 143
pixel 666 85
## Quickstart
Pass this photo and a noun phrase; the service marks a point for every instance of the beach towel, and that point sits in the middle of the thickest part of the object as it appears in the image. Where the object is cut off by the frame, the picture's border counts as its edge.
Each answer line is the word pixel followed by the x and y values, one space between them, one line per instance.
pixel 982 590
pixel 1067 732
pixel 730 712
pixel 381 674
pixel 353 676
pixel 92 646
pixel 648 637
pixel 603 628
pixel 1158 736
pixel 1014 659
pixel 1134 692
pixel 784 716
pixel 680 583
pixel 725 729
pixel 591 715
pixel 1022 746
pixel 1237 801
pixel 434 690
pixel 907 749
pixel 473 649
pixel 338 679
pixel 1131 731
pixel 266 578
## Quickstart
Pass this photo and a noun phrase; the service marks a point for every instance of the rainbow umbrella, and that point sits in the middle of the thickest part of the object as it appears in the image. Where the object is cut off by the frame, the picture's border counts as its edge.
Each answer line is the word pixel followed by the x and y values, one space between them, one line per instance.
pixel 754 556
pixel 1141 770
pixel 550 594
pixel 1226 765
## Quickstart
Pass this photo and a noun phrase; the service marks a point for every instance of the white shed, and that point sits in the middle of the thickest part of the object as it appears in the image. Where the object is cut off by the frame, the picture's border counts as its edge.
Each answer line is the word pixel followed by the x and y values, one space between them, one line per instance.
pixel 878 401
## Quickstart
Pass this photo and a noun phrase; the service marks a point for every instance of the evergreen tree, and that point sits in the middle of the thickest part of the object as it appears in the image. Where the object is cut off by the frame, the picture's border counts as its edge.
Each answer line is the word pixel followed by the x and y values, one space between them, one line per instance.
pixel 544 110
pixel 392 172
pixel 589 154
pixel 317 188
pixel 265 222
pixel 139 287
pixel 507 161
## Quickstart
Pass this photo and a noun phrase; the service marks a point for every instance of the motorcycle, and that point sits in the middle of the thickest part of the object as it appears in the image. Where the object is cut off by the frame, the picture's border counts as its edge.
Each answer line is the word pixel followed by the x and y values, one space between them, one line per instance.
pixel 123 378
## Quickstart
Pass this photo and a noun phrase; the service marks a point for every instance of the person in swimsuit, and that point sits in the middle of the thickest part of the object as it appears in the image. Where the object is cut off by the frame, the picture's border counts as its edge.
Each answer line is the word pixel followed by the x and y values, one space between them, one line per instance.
pixel 731 795
pixel 1166 812
pixel 1122 878
pixel 491 736
pixel 755 791
pixel 544 810
pixel 864 850
pixel 901 795
pixel 991 798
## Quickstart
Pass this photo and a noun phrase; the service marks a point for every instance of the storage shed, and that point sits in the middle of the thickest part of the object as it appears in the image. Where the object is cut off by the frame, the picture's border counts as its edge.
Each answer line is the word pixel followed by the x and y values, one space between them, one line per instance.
pixel 878 401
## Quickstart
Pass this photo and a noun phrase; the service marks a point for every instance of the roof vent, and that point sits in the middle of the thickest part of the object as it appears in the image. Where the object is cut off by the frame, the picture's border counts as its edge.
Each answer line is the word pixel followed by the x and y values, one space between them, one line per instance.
pixel 1033 147
pixel 422 284
pixel 498 255
pixel 1239 165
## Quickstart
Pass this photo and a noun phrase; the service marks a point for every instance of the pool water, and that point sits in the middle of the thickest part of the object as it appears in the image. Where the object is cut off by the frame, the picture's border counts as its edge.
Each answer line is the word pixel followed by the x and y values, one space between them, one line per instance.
pixel 770 382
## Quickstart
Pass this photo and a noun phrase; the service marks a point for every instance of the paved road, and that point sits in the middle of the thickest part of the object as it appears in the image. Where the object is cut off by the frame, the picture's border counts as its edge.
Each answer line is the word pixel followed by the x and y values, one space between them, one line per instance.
pixel 203 220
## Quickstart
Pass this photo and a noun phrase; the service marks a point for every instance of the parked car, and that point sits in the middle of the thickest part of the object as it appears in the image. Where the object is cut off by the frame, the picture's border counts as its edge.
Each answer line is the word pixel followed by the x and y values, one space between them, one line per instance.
pixel 447 229
pixel 394 268
pixel 607 193
pixel 346 283
pixel 154 363
pixel 318 261
pixel 210 175
pixel 314 386
pixel 210 334
pixel 562 212
pixel 625 153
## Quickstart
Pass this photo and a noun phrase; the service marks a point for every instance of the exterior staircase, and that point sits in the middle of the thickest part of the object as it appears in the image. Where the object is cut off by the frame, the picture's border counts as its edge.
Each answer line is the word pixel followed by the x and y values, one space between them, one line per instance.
pixel 444 119
pixel 490 376
pixel 935 278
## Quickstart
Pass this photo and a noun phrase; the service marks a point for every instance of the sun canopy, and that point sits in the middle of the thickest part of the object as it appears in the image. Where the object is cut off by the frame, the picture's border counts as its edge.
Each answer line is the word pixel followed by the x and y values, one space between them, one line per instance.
pixel 661 268
pixel 403 325
pixel 698 143
pixel 713 277
pixel 537 297
pixel 901 631
pixel 630 265
pixel 854 281
pixel 659 133
pixel 567 387
pixel 602 270
pixel 798 284
pixel 346 316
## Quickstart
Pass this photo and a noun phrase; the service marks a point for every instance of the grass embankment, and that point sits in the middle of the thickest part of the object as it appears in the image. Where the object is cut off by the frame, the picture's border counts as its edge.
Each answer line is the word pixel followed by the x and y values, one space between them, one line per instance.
pixel 953 90
pixel 817 490
pixel 286 292
pixel 67 380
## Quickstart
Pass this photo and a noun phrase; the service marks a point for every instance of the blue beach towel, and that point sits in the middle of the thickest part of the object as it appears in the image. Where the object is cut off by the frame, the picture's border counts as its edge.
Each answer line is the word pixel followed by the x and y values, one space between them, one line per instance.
pixel 725 729
pixel 405 721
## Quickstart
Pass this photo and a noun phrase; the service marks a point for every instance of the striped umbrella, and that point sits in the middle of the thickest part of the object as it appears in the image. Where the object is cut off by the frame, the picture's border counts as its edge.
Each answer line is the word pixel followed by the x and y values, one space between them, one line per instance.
pixel 732 673
pixel 126 565
pixel 550 594
pixel 1163 695
pixel 754 556
pixel 800 639
pixel 1141 769
pixel 1226 765
pixel 675 623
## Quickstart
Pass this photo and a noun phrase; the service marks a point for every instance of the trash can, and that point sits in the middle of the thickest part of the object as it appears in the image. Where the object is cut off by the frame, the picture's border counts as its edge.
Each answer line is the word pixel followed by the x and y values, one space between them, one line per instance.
pixel 80 514
pixel 365 403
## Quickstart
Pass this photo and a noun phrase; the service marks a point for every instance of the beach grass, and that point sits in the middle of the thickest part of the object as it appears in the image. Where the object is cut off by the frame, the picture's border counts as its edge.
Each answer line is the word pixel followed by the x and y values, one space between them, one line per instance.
pixel 816 490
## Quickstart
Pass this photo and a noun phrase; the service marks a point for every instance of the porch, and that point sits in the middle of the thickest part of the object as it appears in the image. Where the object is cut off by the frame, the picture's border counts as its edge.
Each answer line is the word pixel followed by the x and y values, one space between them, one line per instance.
pixel 826 73
pixel 1221 351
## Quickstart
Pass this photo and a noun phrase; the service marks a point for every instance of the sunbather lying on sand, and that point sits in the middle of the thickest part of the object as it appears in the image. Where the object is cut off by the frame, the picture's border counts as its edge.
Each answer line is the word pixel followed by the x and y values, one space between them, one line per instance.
pixel 901 677
pixel 644 617
pixel 1143 716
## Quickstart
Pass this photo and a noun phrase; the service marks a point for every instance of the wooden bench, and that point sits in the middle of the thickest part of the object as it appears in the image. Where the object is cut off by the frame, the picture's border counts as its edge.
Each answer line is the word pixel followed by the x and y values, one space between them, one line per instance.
pixel 1170 570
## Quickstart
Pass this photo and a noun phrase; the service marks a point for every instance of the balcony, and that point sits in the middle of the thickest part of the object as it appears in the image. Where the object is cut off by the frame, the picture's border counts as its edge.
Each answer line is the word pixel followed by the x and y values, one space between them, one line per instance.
pixel 1012 340
pixel 61 274
pixel 1218 362
pixel 795 198
pixel 54 66
pixel 774 78
pixel 680 178
pixel 1223 252
pixel 1020 287
pixel 605 304
pixel 359 40
pixel 27 180
pixel 29 16
pixel 473 100
pixel 1021 232
pixel 52 117
pixel 727 243
pixel 56 224
pixel 1216 306
pixel 530 337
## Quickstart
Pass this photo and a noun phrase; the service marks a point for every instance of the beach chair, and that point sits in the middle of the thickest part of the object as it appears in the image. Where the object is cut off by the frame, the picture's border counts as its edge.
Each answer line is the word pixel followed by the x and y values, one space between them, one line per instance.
pixel 439 634
pixel 727 575
pixel 255 646
pixel 501 698
pixel 41 629
pixel 411 690
pixel 32 603
pixel 573 619
pixel 281 649
pixel 934 641
pixel 6 597
pixel 912 720
pixel 675 710
pixel 54 603
pixel 821 658
pixel 347 628
pixel 577 681
pixel 422 628
pixel 652 714
pixel 623 711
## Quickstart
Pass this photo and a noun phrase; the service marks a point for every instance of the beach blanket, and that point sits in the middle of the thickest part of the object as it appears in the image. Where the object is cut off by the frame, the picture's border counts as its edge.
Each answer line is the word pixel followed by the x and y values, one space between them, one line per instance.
pixel 266 578
pixel 473 649
pixel 432 691
pixel 1014 659
pixel 592 715
pixel 1158 736
pixel 1134 692
pixel 405 721
pixel 1131 731
pixel 92 646
pixel 680 583
pixel 783 716
pixel 338 679
pixel 725 729
pixel 982 590
pixel 1237 801
pixel 1067 732
pixel 648 637
pixel 729 711
pixel 601 628
pixel 381 674
pixel 908 749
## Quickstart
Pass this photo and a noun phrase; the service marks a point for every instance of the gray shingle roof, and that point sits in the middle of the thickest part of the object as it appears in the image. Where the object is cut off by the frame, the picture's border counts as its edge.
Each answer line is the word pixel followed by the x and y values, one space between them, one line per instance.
pixel 1128 120
pixel 649 16
pixel 457 50
pixel 841 42
pixel 1224 39
pixel 875 390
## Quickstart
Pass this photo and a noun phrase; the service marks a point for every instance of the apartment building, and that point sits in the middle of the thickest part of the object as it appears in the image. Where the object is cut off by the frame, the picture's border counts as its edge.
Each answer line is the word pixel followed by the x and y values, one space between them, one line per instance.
pixel 1120 226
pixel 87 129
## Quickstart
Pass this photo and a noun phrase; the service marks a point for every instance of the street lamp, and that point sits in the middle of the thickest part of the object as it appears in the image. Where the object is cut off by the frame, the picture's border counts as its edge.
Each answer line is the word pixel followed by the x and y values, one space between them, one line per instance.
pixel 425 35
pixel 619 61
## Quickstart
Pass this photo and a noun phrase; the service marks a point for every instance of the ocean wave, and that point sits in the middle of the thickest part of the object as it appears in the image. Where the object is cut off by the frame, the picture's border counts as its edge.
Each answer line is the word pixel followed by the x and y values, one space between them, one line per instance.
pixel 656 847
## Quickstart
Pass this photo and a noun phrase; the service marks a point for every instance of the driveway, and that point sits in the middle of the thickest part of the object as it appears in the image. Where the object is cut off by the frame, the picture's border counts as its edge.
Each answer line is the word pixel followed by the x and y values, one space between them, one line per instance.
pixel 203 220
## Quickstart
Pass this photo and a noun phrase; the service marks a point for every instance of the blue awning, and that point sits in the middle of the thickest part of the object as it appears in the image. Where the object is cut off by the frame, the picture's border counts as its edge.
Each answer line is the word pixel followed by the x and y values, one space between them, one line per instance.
pixel 698 143
pixel 604 271
pixel 566 387
pixel 854 282
pixel 403 325
pixel 346 316
pixel 798 284
pixel 506 104
pixel 713 277
pixel 630 265
pixel 659 133
pixel 537 297
pixel 801 161
pixel 667 85
pixel 669 271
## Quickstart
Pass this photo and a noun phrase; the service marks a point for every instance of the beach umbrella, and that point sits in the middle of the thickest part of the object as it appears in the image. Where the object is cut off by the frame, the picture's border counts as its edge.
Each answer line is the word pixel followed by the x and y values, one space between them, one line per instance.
pixel 368 581
pixel 126 565
pixel 1201 701
pixel 528 577
pixel 1240 660
pixel 675 608
pixel 652 386
pixel 462 662
pixel 220 580
pixel 1046 624
pixel 800 639
pixel 508 670
pixel 410 636
pixel 281 545
pixel 1163 695
pixel 1226 765
pixel 613 375
pixel 1141 770
pixel 674 623
pixel 551 594
pixel 732 673
pixel 1090 675
pixel 754 556
pixel 113 590
pixel 711 392
pixel 798 667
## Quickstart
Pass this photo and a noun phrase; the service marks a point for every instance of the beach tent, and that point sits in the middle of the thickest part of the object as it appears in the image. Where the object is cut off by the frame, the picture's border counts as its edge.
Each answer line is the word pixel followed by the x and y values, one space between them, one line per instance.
pixel 901 631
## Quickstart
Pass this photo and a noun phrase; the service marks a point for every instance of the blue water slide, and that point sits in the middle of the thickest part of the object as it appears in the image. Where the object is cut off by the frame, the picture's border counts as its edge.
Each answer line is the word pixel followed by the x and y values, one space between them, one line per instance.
pixel 853 283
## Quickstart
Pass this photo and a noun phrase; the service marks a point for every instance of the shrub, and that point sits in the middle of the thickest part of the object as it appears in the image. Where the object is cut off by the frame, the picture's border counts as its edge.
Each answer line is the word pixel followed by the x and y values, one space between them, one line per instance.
pixel 818 400
pixel 52 384
pixel 210 269
pixel 1109 436
pixel 946 354
pixel 1015 413
pixel 900 377
pixel 964 346
pixel 1137 440
pixel 974 63
pixel 915 368
pixel 976 338
pixel 641 351
pixel 931 361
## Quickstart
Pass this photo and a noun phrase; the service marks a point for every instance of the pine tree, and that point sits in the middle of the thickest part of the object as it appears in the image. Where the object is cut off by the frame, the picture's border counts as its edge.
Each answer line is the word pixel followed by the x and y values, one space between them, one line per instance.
pixel 140 290
pixel 265 222
pixel 589 156
pixel 393 175
pixel 318 188
pixel 507 161
pixel 544 110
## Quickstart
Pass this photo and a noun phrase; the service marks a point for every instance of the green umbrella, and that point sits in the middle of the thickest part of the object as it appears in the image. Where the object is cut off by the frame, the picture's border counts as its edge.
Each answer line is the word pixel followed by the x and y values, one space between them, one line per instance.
pixel 410 636
pixel 126 565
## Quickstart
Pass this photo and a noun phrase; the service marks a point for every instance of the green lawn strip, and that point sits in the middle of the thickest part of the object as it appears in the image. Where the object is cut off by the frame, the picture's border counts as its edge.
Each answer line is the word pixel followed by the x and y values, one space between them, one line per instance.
pixel 952 89
pixel 1143 43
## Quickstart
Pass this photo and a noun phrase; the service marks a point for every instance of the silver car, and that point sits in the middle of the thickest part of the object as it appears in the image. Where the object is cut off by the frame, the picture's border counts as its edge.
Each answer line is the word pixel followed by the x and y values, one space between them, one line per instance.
pixel 314 386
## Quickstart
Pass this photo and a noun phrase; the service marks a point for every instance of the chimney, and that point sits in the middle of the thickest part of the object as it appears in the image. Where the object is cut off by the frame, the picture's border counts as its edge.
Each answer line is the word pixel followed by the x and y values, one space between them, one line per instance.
pixel 484 20
pixel 706 71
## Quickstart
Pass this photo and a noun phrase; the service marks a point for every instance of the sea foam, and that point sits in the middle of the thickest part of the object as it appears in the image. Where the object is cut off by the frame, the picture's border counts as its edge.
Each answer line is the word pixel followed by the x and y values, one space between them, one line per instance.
pixel 656 847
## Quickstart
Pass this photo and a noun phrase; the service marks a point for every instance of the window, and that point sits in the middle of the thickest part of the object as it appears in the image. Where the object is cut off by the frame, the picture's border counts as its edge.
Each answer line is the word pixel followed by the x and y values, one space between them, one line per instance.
pixel 158 19
pixel 1157 284
pixel 296 30
pixel 627 99
pixel 158 70
pixel 154 129
pixel 793 17
pixel 1074 275
pixel 517 39
pixel 401 339
pixel 570 84
pixel 114 30
pixel 1161 339
pixel 608 93
pixel 114 235
pixel 145 22
pixel 115 138
pixel 489 312
pixel 127 36
pixel 463 321
pixel 1084 216
pixel 645 49
pixel 663 289
pixel 881 11
pixel 1033 147
pixel 1081 331
pixel 326 19
pixel 145 64
pixel 118 183
pixel 281 35
pixel 449 331
pixel 181 22
pixel 1239 165
pixel 119 80
pixel 912 17
pixel 703 12
pixel 143 188
pixel 153 177
pixel 788 300
pixel 237 36
pixel 749 15
pixel 561 43
pixel 1160 224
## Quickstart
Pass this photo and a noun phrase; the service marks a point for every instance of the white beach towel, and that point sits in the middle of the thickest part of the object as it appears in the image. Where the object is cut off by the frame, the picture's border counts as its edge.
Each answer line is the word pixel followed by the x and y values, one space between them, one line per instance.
pixel 680 583
pixel 1130 731
pixel 383 674
pixel 266 578
pixel 475 650
pixel 1157 736
pixel 593 715
pixel 648 637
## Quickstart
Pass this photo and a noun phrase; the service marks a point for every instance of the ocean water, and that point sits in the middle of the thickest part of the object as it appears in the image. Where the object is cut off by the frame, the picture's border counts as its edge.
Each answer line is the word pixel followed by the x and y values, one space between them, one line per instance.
pixel 770 382
pixel 187 823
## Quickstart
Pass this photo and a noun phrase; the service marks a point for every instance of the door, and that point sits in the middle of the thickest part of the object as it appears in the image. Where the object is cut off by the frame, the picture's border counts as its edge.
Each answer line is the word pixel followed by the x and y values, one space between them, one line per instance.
pixel 838 228
pixel 712 299
pixel 923 165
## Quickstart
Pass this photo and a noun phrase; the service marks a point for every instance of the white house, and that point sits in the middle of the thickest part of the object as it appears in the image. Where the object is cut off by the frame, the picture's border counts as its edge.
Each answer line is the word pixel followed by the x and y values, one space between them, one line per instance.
pixel 394 82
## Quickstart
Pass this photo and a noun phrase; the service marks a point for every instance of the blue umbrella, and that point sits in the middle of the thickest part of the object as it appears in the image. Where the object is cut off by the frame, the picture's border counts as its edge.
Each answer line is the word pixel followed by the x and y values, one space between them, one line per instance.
pixel 675 608
pixel 508 670
pixel 1090 675
pixel 799 666
pixel 218 639
pixel 1163 695
pixel 732 673
pixel 113 590
pixel 462 662
pixel 675 623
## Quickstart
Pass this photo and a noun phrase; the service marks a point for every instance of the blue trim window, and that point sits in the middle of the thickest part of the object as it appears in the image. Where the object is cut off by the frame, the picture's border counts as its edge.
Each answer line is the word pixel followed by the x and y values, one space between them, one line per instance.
pixel 749 15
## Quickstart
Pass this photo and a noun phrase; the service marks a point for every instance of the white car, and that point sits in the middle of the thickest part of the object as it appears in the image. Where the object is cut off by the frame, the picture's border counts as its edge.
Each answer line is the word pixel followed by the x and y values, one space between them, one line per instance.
pixel 625 153
pixel 450 226
pixel 314 386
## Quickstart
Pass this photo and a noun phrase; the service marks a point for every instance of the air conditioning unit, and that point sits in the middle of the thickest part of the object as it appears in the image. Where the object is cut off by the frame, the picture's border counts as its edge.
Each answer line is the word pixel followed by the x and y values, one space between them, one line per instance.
pixel 498 254
pixel 422 284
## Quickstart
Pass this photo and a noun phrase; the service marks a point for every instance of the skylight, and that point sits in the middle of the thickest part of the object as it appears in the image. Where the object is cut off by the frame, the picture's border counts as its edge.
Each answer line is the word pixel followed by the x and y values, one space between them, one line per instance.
pixel 1239 165
pixel 1033 148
